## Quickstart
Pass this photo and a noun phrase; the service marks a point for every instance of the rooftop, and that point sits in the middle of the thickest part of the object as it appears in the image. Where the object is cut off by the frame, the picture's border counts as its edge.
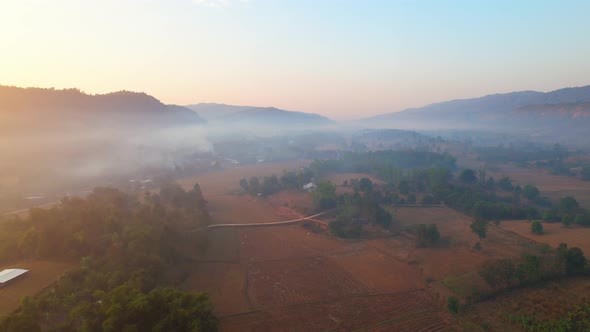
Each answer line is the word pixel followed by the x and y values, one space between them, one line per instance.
pixel 10 274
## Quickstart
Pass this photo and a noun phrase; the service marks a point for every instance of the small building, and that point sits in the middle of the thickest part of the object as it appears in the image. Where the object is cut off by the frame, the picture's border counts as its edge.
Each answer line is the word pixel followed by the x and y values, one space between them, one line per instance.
pixel 310 187
pixel 10 275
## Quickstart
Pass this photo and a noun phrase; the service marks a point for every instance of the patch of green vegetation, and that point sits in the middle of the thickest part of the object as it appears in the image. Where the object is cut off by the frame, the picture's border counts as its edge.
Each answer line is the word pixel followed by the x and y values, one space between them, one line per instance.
pixel 462 284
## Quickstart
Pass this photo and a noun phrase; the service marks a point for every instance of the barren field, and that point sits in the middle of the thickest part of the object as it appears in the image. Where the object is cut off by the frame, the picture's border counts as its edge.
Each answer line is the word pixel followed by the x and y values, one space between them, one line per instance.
pixel 289 278
pixel 411 311
pixel 454 260
pixel 224 282
pixel 552 186
pixel 223 181
pixel 554 234
pixel 41 274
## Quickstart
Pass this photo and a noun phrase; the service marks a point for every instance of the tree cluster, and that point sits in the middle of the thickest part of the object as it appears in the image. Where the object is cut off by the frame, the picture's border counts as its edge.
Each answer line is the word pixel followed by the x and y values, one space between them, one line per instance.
pixel 128 250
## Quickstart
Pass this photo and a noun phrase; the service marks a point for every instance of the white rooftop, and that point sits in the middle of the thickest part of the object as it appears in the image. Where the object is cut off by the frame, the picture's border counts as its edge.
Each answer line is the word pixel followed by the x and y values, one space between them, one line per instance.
pixel 10 274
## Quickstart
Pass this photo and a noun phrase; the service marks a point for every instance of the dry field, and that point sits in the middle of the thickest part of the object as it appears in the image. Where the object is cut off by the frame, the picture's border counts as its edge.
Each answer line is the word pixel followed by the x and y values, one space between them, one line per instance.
pixel 404 312
pixel 288 278
pixel 554 234
pixel 552 186
pixel 222 181
pixel 454 261
pixel 41 274
pixel 547 301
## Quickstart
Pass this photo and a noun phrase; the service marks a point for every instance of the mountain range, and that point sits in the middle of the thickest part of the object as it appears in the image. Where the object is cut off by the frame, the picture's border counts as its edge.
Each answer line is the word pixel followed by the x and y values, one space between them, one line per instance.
pixel 529 110
pixel 250 115
pixel 564 111
pixel 51 109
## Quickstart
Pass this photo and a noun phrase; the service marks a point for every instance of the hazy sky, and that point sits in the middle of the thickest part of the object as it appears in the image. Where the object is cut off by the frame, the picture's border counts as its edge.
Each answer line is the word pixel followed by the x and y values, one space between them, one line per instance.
pixel 340 58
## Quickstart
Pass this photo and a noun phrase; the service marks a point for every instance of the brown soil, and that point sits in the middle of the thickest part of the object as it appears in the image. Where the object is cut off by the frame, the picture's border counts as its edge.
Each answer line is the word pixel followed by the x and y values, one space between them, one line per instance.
pixel 41 274
pixel 410 311
pixel 290 278
pixel 554 234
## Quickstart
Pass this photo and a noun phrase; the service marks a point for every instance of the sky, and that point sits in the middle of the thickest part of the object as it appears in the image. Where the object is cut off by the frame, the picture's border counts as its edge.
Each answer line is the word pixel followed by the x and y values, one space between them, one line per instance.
pixel 344 59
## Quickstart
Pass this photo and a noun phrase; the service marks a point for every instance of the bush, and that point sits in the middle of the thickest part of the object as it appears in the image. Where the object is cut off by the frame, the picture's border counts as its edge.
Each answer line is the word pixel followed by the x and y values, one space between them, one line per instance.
pixel 453 304
pixel 427 235
pixel 537 227
pixel 345 227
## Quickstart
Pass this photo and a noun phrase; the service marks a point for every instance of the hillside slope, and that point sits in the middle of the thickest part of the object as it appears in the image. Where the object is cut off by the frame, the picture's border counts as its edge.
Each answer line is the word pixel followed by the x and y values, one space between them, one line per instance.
pixel 250 115
pixel 498 110
pixel 50 109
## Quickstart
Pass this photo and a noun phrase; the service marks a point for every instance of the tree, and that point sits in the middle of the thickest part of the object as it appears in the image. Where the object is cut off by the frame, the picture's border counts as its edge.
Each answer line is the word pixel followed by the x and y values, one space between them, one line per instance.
pixel 403 187
pixel 550 215
pixel 438 177
pixel 453 304
pixel 582 219
pixel 530 192
pixel 491 183
pixel 244 184
pixel 575 261
pixel 345 227
pixel 536 227
pixel 530 270
pixel 468 176
pixel 324 198
pixel 505 184
pixel 567 220
pixel 499 272
pixel 254 185
pixel 427 235
pixel 568 205
pixel 428 200
pixel 479 227
pixel 366 185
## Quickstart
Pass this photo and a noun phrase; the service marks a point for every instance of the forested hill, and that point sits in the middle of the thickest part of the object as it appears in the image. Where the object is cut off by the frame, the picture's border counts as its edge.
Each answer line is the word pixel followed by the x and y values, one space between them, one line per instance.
pixel 132 255
pixel 38 108
pixel 251 115
pixel 493 111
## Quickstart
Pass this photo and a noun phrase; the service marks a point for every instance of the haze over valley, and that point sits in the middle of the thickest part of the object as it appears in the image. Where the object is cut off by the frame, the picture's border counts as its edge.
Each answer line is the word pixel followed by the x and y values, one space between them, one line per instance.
pixel 253 165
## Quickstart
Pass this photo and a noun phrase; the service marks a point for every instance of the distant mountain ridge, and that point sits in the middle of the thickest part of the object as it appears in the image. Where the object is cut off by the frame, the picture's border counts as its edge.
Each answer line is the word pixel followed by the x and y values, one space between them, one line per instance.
pixel 252 115
pixel 53 108
pixel 490 110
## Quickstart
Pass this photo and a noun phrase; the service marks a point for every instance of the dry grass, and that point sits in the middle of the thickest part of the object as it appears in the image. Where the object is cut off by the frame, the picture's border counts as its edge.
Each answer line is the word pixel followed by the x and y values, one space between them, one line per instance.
pixel 553 186
pixel 547 301
pixel 222 181
pixel 411 311
pixel 41 274
pixel 379 272
pixel 554 234
pixel 224 282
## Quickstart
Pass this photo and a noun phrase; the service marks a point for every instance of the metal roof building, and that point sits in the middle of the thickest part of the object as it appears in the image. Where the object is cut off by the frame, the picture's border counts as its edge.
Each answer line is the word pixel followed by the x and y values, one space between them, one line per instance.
pixel 10 274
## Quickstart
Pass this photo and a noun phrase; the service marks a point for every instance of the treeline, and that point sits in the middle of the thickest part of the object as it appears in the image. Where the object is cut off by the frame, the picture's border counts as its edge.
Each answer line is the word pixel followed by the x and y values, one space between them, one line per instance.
pixel 382 163
pixel 530 269
pixel 568 212
pixel 269 185
pixel 131 251
pixel 354 210
pixel 522 154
